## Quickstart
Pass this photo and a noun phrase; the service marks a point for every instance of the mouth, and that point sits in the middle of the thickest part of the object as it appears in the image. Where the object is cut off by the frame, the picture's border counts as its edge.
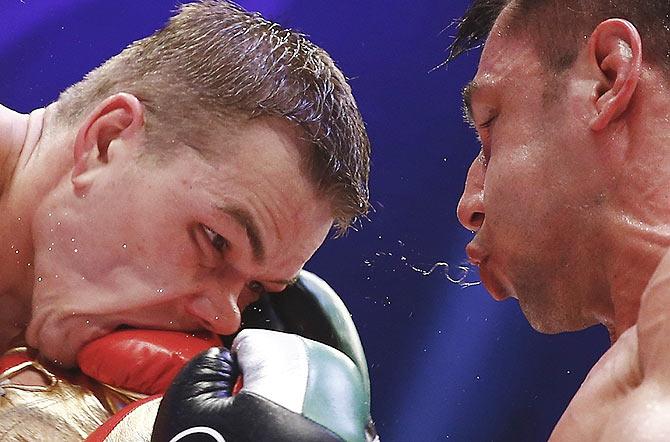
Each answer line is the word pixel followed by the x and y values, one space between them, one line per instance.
pixel 59 343
pixel 479 257
pixel 493 285
pixel 58 339
pixel 475 253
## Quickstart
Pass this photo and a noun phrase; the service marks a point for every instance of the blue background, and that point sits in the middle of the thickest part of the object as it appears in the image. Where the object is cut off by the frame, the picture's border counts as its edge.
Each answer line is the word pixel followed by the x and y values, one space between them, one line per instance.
pixel 447 363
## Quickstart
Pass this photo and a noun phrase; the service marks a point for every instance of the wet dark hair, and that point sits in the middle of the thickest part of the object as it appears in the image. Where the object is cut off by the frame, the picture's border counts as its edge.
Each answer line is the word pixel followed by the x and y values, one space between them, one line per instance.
pixel 214 62
pixel 559 28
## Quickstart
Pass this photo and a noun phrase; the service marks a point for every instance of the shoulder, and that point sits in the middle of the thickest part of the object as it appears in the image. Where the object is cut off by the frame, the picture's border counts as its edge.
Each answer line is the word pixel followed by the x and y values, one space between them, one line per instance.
pixel 642 413
pixel 631 382
pixel 653 326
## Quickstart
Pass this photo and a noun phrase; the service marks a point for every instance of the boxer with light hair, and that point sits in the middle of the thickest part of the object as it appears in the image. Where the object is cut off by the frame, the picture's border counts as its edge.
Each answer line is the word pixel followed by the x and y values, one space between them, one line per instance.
pixel 569 195
pixel 174 185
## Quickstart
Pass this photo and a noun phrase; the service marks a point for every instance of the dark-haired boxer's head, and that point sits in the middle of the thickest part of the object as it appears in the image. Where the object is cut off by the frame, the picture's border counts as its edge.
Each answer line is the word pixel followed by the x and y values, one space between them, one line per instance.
pixel 211 160
pixel 564 103
pixel 559 29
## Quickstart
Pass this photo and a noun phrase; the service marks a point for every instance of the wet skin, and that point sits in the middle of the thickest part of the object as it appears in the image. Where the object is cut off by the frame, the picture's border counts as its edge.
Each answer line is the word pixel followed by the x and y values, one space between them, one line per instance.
pixel 568 202
pixel 185 243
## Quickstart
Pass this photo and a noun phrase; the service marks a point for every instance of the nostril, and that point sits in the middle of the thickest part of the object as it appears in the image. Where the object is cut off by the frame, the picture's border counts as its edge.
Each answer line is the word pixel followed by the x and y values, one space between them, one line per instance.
pixel 476 220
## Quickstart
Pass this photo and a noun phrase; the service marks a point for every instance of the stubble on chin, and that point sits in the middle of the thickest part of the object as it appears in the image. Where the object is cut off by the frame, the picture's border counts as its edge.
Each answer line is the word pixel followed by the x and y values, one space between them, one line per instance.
pixel 550 313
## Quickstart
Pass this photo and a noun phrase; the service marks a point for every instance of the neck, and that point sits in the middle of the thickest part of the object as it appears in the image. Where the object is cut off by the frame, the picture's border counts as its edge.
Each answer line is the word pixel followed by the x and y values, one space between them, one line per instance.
pixel 637 225
pixel 22 134
pixel 636 220
pixel 639 249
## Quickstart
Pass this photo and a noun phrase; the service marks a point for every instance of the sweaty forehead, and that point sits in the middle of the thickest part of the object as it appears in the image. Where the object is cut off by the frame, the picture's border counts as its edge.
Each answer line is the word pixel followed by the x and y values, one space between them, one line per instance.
pixel 506 51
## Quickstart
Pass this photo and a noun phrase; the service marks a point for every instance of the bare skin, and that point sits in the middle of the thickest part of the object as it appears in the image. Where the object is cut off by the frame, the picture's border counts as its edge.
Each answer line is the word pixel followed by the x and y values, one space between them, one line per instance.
pixel 626 396
pixel 569 202
pixel 95 235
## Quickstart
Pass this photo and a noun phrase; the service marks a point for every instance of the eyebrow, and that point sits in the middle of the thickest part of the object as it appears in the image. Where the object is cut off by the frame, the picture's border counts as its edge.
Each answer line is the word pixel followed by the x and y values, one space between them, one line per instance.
pixel 467 93
pixel 242 217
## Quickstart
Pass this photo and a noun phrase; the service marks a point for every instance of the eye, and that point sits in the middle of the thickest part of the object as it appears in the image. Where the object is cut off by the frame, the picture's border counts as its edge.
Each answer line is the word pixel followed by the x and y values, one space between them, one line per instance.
pixel 218 242
pixel 256 287
pixel 484 135
pixel 488 122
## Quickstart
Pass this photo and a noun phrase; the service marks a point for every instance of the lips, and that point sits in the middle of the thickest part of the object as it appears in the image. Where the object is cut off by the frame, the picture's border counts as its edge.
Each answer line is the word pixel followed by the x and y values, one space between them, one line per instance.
pixel 475 253
pixel 59 340
pixel 479 257
pixel 493 285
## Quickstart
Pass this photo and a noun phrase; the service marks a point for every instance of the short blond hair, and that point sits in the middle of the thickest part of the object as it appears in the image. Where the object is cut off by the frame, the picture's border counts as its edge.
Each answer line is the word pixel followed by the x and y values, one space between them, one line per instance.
pixel 214 58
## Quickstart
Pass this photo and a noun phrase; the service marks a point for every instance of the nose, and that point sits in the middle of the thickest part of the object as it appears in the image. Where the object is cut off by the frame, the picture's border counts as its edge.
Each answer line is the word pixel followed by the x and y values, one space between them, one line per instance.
pixel 217 306
pixel 470 209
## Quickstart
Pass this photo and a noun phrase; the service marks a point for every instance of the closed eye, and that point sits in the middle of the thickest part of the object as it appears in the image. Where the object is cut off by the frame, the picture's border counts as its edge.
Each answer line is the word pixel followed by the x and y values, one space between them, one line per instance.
pixel 484 135
pixel 488 122
pixel 218 242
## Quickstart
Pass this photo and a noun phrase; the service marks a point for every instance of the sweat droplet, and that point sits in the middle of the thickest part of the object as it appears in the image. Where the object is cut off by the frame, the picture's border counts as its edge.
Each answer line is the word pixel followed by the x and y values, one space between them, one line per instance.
pixel 39 279
pixel 159 290
pixel 76 250
pixel 125 246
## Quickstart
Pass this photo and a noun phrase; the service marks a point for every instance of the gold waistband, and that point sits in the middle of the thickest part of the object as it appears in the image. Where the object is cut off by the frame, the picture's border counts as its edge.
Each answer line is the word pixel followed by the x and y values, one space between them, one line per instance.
pixel 62 410
pixel 5 376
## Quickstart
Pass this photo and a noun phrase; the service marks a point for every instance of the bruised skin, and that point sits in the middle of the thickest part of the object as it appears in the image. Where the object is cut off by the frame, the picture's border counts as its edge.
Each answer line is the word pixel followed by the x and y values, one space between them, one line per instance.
pixel 626 396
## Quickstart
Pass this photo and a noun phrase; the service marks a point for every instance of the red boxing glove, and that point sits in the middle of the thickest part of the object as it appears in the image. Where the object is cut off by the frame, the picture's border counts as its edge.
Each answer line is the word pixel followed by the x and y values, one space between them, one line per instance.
pixel 142 361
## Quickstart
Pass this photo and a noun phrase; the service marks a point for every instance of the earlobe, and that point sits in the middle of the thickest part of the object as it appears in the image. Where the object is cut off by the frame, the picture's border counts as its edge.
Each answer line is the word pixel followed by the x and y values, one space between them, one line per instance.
pixel 615 48
pixel 119 116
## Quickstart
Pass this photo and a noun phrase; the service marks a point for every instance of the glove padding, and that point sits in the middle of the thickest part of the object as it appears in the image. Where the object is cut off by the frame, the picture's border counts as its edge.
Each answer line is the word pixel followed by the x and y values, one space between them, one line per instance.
pixel 142 361
pixel 294 390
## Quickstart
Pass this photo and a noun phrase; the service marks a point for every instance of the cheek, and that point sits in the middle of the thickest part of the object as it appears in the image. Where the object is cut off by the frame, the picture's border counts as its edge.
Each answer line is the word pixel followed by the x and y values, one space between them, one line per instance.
pixel 517 206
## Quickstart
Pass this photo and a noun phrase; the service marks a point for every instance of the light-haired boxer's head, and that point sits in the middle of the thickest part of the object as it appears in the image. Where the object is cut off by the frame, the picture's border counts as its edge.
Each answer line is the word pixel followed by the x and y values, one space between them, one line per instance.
pixel 211 160
pixel 551 101
pixel 215 64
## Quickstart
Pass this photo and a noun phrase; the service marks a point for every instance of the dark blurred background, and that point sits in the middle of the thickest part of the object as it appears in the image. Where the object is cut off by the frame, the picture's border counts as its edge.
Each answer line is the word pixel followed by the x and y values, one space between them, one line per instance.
pixel 447 362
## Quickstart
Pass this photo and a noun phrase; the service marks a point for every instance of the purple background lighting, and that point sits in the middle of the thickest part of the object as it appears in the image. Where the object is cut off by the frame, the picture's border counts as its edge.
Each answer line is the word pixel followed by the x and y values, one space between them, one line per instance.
pixel 447 363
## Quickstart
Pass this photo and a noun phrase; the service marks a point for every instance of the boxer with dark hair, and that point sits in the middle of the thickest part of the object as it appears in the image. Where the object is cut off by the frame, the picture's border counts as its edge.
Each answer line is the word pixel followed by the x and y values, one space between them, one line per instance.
pixel 177 183
pixel 569 195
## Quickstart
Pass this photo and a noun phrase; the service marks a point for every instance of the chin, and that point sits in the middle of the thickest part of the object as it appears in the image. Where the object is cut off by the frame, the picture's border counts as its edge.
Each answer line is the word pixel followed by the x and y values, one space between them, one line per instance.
pixel 59 341
pixel 554 322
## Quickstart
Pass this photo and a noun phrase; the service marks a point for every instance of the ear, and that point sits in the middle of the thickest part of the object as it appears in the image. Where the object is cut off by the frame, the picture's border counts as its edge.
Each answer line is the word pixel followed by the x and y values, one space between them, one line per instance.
pixel 119 116
pixel 615 49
